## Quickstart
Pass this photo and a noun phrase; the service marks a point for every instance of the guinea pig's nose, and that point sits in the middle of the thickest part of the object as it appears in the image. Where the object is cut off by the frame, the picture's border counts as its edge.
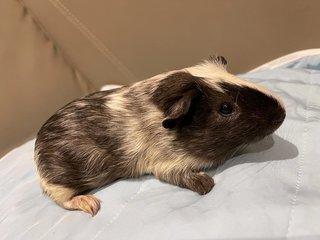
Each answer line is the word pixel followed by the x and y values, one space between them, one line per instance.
pixel 279 117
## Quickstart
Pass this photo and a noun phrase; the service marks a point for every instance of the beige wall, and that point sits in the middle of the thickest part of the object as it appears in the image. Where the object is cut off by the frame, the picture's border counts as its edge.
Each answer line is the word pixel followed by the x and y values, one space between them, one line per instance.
pixel 149 36
pixel 54 51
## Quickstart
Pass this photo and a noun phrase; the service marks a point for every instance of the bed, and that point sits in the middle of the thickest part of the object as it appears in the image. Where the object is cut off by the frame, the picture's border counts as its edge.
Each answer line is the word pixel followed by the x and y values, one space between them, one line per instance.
pixel 270 190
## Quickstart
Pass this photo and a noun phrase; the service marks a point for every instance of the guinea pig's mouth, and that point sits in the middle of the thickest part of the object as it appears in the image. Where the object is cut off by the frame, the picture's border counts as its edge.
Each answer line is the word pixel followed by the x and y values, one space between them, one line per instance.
pixel 275 125
pixel 277 122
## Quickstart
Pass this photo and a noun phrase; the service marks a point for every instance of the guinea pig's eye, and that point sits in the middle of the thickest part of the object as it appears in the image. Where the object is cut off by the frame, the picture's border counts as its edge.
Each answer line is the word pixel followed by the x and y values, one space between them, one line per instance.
pixel 226 108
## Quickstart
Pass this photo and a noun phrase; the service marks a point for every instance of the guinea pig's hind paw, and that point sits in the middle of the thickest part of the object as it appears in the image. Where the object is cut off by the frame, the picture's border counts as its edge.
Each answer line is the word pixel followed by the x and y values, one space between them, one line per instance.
pixel 87 203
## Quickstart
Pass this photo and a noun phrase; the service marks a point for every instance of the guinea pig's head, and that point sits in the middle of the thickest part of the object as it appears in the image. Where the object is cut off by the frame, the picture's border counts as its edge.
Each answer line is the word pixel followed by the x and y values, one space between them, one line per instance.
pixel 205 107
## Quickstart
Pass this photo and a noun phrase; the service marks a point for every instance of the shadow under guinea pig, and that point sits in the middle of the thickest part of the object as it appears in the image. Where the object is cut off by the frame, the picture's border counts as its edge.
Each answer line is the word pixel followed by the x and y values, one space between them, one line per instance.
pixel 271 148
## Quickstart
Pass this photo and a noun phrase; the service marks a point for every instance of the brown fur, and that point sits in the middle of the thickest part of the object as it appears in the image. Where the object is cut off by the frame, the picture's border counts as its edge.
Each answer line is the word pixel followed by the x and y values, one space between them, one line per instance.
pixel 169 126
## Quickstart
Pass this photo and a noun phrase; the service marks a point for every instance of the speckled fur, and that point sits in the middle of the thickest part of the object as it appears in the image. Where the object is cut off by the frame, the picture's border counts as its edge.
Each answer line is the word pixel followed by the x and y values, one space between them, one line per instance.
pixel 168 125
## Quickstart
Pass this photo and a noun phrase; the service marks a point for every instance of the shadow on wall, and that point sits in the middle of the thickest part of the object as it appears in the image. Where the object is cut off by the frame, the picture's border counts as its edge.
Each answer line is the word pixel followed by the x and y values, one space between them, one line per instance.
pixel 271 148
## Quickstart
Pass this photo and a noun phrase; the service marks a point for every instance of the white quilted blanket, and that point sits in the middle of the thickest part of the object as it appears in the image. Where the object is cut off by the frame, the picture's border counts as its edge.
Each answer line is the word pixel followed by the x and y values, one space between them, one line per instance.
pixel 270 191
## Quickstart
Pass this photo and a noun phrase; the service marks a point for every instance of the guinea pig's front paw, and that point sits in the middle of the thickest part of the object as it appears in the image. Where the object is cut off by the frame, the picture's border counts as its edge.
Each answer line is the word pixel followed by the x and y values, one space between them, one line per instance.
pixel 200 182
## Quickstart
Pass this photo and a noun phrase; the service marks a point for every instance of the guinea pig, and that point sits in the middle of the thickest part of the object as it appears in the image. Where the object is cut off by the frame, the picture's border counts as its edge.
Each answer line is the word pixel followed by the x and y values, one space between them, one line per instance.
pixel 174 125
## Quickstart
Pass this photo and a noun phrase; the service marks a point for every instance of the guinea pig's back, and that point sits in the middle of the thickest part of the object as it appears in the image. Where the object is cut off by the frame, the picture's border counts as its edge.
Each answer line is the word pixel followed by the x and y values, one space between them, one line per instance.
pixel 77 146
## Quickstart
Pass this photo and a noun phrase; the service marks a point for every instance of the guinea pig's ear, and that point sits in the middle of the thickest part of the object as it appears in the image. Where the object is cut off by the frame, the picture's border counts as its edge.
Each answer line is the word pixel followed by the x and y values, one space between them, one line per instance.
pixel 174 96
pixel 219 60
pixel 179 108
